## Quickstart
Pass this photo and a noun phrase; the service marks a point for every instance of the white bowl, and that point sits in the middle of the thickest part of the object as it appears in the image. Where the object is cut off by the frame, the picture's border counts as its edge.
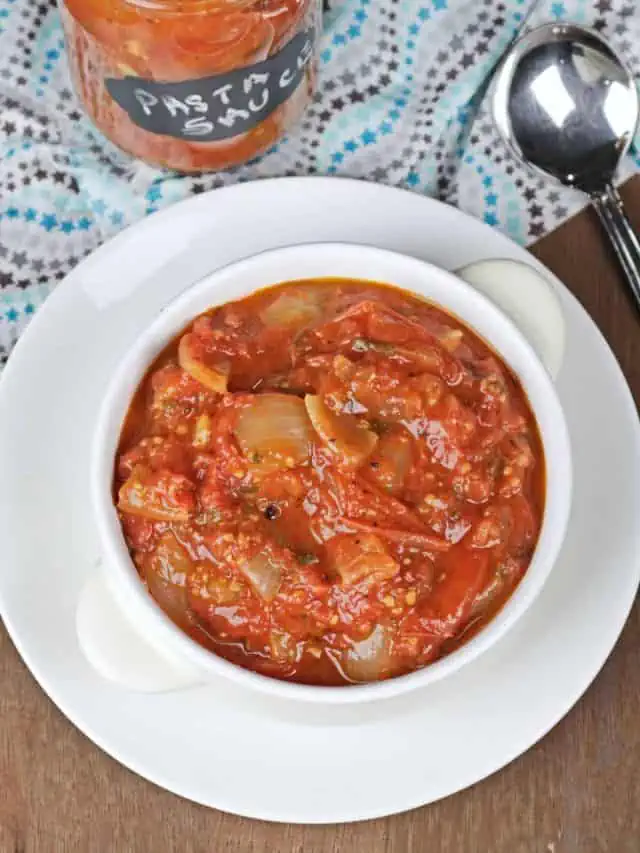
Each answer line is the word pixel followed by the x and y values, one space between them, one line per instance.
pixel 326 261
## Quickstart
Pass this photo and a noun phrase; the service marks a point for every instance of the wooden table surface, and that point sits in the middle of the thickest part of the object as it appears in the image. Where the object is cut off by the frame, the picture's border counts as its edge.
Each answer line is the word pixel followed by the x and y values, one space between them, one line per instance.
pixel 578 791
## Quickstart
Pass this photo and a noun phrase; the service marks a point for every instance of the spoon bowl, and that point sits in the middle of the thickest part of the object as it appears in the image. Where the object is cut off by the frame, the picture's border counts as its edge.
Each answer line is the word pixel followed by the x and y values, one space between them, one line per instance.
pixel 566 104
pixel 568 107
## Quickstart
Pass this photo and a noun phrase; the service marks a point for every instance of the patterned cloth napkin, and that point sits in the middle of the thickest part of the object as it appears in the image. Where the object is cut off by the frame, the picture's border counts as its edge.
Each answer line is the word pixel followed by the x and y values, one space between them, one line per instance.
pixel 399 102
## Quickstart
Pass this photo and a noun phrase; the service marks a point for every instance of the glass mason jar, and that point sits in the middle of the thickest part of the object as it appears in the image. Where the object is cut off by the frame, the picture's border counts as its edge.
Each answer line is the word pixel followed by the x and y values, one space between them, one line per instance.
pixel 193 85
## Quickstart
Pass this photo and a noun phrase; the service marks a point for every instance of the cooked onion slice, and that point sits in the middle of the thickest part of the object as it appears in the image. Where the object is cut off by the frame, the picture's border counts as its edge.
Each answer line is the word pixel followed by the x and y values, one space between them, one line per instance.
pixel 370 659
pixel 283 647
pixel 202 431
pixel 274 432
pixel 411 538
pixel 450 338
pixel 296 308
pixel 172 598
pixel 361 556
pixel 264 574
pixel 344 434
pixel 166 571
pixel 215 377
pixel 170 560
pixel 157 495
pixel 392 461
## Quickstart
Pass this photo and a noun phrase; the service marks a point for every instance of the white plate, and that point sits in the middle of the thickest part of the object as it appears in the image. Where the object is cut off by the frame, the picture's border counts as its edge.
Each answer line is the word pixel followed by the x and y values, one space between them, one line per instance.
pixel 217 744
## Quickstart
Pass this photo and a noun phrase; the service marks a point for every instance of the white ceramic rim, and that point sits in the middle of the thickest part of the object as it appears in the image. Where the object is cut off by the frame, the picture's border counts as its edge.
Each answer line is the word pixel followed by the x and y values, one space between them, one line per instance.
pixel 319 260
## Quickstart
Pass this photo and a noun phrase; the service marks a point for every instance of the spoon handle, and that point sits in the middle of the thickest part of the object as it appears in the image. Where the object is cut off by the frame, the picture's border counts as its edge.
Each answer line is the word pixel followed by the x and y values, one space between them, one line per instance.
pixel 625 242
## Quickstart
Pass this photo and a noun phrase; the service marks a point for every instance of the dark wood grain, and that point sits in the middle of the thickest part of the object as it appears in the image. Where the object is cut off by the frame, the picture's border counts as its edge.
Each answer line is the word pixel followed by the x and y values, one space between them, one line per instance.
pixel 575 792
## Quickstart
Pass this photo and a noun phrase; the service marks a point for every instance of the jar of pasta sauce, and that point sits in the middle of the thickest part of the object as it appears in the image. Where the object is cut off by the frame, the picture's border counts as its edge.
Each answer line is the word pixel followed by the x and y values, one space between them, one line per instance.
pixel 193 85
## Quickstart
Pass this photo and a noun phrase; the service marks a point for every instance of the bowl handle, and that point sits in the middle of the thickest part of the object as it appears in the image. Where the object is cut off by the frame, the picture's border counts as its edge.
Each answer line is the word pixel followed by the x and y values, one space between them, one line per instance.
pixel 118 652
pixel 528 299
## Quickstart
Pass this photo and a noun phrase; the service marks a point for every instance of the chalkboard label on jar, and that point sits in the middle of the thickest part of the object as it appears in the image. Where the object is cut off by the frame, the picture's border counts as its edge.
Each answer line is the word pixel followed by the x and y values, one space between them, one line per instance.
pixel 221 106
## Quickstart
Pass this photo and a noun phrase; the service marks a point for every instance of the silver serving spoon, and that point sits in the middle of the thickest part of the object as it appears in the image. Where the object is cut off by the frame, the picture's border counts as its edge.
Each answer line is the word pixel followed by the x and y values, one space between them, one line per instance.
pixel 566 105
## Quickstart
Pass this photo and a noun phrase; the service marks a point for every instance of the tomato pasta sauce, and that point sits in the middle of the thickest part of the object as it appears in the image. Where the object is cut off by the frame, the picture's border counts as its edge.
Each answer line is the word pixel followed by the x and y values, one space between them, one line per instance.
pixel 193 85
pixel 330 482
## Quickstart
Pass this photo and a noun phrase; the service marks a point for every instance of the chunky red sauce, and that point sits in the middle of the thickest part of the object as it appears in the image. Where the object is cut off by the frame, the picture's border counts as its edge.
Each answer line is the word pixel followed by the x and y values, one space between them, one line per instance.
pixel 160 41
pixel 330 482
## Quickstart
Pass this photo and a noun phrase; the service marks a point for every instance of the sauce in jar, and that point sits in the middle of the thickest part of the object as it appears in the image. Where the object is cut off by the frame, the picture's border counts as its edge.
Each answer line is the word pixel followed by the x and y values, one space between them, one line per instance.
pixel 193 85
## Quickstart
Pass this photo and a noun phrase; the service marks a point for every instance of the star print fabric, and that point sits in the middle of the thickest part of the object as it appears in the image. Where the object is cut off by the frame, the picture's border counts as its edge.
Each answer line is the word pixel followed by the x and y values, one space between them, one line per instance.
pixel 401 100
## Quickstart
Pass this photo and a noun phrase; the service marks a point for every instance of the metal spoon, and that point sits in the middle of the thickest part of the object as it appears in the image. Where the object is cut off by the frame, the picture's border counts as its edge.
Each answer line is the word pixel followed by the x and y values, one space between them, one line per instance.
pixel 566 105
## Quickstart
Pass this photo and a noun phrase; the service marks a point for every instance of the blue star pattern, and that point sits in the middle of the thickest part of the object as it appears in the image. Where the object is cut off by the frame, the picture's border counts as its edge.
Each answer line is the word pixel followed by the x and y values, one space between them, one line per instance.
pixel 398 102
